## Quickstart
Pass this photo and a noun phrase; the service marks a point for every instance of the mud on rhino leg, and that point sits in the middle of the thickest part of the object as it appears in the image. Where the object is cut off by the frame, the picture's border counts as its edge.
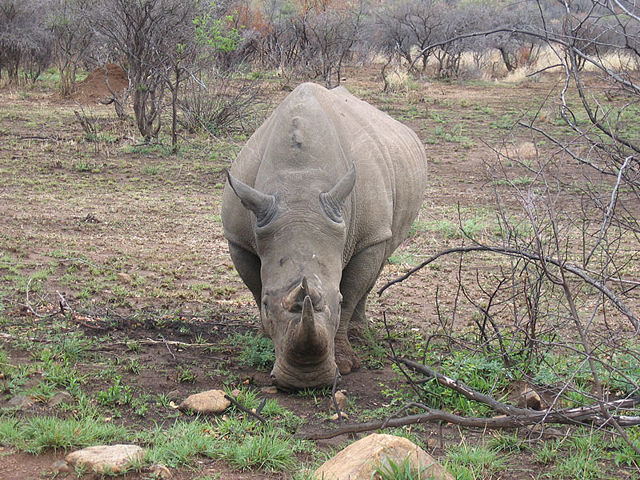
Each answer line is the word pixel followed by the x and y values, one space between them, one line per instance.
pixel 248 266
pixel 358 279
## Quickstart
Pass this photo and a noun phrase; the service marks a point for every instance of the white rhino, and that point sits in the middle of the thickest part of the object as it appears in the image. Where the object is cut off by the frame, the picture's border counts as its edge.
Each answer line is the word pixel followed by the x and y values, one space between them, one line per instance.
pixel 317 200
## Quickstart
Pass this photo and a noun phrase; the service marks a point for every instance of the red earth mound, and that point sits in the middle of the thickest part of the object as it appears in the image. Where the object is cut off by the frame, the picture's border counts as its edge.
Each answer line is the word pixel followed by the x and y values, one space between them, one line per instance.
pixel 94 88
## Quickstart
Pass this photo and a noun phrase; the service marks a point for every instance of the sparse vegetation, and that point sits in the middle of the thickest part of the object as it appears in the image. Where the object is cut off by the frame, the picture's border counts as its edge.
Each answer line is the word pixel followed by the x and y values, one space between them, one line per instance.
pixel 117 298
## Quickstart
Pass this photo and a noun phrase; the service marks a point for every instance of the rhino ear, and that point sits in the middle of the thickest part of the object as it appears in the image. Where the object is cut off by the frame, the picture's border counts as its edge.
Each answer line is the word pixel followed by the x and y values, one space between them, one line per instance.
pixel 261 204
pixel 332 200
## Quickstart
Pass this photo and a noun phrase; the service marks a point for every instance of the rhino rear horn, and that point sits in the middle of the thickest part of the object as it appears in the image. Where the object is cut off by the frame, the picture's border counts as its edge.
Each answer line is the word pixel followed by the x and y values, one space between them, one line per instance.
pixel 333 199
pixel 261 204
pixel 296 296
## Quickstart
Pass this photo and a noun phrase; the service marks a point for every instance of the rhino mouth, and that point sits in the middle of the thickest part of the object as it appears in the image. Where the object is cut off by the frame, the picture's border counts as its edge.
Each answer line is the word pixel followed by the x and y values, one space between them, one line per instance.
pixel 291 378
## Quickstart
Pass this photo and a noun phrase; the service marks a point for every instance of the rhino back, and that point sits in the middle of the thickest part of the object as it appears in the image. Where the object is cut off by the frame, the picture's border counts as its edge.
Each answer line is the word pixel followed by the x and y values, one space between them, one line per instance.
pixel 391 171
pixel 389 159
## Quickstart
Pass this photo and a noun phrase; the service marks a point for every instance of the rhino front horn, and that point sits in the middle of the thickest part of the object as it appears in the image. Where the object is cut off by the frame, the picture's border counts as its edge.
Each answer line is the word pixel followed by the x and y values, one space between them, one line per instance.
pixel 261 204
pixel 332 200
pixel 309 341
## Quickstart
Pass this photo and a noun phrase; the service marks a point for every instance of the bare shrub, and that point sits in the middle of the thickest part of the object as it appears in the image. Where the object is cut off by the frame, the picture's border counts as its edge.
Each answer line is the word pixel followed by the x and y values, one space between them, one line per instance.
pixel 553 294
pixel 146 35
pixel 220 106
pixel 25 46
pixel 72 39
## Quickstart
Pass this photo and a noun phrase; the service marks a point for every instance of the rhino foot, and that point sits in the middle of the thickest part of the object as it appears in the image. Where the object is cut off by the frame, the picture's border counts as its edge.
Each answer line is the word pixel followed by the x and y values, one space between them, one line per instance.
pixel 346 359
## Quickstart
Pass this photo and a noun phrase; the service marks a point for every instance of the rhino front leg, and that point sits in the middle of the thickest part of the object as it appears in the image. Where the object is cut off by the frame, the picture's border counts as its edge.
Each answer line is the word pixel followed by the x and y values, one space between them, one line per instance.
pixel 358 279
pixel 248 266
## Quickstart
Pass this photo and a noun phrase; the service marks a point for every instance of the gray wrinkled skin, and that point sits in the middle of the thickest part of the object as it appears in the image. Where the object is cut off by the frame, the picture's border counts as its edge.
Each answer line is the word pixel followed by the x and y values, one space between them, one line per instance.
pixel 317 200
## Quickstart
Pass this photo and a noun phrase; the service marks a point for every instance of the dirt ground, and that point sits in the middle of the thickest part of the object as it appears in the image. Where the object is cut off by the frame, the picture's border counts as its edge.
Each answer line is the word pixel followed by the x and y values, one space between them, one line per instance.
pixel 131 237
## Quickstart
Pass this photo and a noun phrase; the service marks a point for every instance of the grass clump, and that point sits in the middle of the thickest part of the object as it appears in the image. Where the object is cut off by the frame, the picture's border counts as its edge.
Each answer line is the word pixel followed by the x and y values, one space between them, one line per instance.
pixel 269 451
pixel 242 443
pixel 177 445
pixel 471 462
pixel 391 470
pixel 255 350
pixel 40 433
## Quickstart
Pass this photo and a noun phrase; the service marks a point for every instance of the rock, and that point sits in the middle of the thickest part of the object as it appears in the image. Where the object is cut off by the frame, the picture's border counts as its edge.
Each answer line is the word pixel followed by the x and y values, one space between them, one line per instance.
pixel 211 401
pixel 61 466
pixel 334 417
pixel 529 398
pixel 60 397
pixel 21 401
pixel 341 399
pixel 106 458
pixel 173 394
pixel 160 471
pixel 269 390
pixel 125 277
pixel 359 460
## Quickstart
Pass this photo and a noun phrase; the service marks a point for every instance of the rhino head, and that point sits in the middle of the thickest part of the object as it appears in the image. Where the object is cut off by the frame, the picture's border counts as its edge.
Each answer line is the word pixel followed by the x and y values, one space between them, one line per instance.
pixel 300 237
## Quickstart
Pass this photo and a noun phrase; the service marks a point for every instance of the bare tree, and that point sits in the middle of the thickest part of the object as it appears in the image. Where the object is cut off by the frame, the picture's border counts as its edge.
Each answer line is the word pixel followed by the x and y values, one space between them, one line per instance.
pixel 24 39
pixel 146 35
pixel 72 38
pixel 563 292
pixel 406 28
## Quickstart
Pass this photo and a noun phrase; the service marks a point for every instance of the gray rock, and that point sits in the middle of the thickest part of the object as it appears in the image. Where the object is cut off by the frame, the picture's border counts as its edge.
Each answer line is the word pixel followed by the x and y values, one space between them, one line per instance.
pixel 160 471
pixel 61 466
pixel 60 397
pixel 21 401
pixel 106 458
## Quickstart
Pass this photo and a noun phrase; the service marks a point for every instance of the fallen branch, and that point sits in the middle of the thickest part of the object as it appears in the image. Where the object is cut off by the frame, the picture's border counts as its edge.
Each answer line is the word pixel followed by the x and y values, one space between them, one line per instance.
pixel 572 416
pixel 464 389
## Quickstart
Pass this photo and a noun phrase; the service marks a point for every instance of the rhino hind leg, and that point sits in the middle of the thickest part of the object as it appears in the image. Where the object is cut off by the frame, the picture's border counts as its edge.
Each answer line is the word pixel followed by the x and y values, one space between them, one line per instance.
pixel 248 266
pixel 358 279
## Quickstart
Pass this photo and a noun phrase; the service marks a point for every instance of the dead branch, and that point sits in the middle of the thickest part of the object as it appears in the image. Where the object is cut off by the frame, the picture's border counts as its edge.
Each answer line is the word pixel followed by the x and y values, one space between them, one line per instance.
pixel 246 410
pixel 536 257
pixel 333 396
pixel 572 416
pixel 463 389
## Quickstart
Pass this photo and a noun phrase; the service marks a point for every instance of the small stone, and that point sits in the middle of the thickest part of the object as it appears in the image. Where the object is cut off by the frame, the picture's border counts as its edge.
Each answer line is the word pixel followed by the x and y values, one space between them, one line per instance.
pixel 173 394
pixel 211 401
pixel 359 460
pixel 61 466
pixel 269 390
pixel 160 471
pixel 125 277
pixel 106 458
pixel 235 392
pixel 60 397
pixel 529 398
pixel 21 401
pixel 552 433
pixel 341 399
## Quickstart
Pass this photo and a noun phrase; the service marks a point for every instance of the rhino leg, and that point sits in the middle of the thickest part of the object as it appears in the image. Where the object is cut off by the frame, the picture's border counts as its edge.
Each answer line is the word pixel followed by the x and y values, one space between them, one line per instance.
pixel 358 279
pixel 248 266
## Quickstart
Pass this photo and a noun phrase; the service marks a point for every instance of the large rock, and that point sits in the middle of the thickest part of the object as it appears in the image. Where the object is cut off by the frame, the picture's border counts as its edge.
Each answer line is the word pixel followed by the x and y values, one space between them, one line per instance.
pixel 106 458
pixel 359 460
pixel 211 401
